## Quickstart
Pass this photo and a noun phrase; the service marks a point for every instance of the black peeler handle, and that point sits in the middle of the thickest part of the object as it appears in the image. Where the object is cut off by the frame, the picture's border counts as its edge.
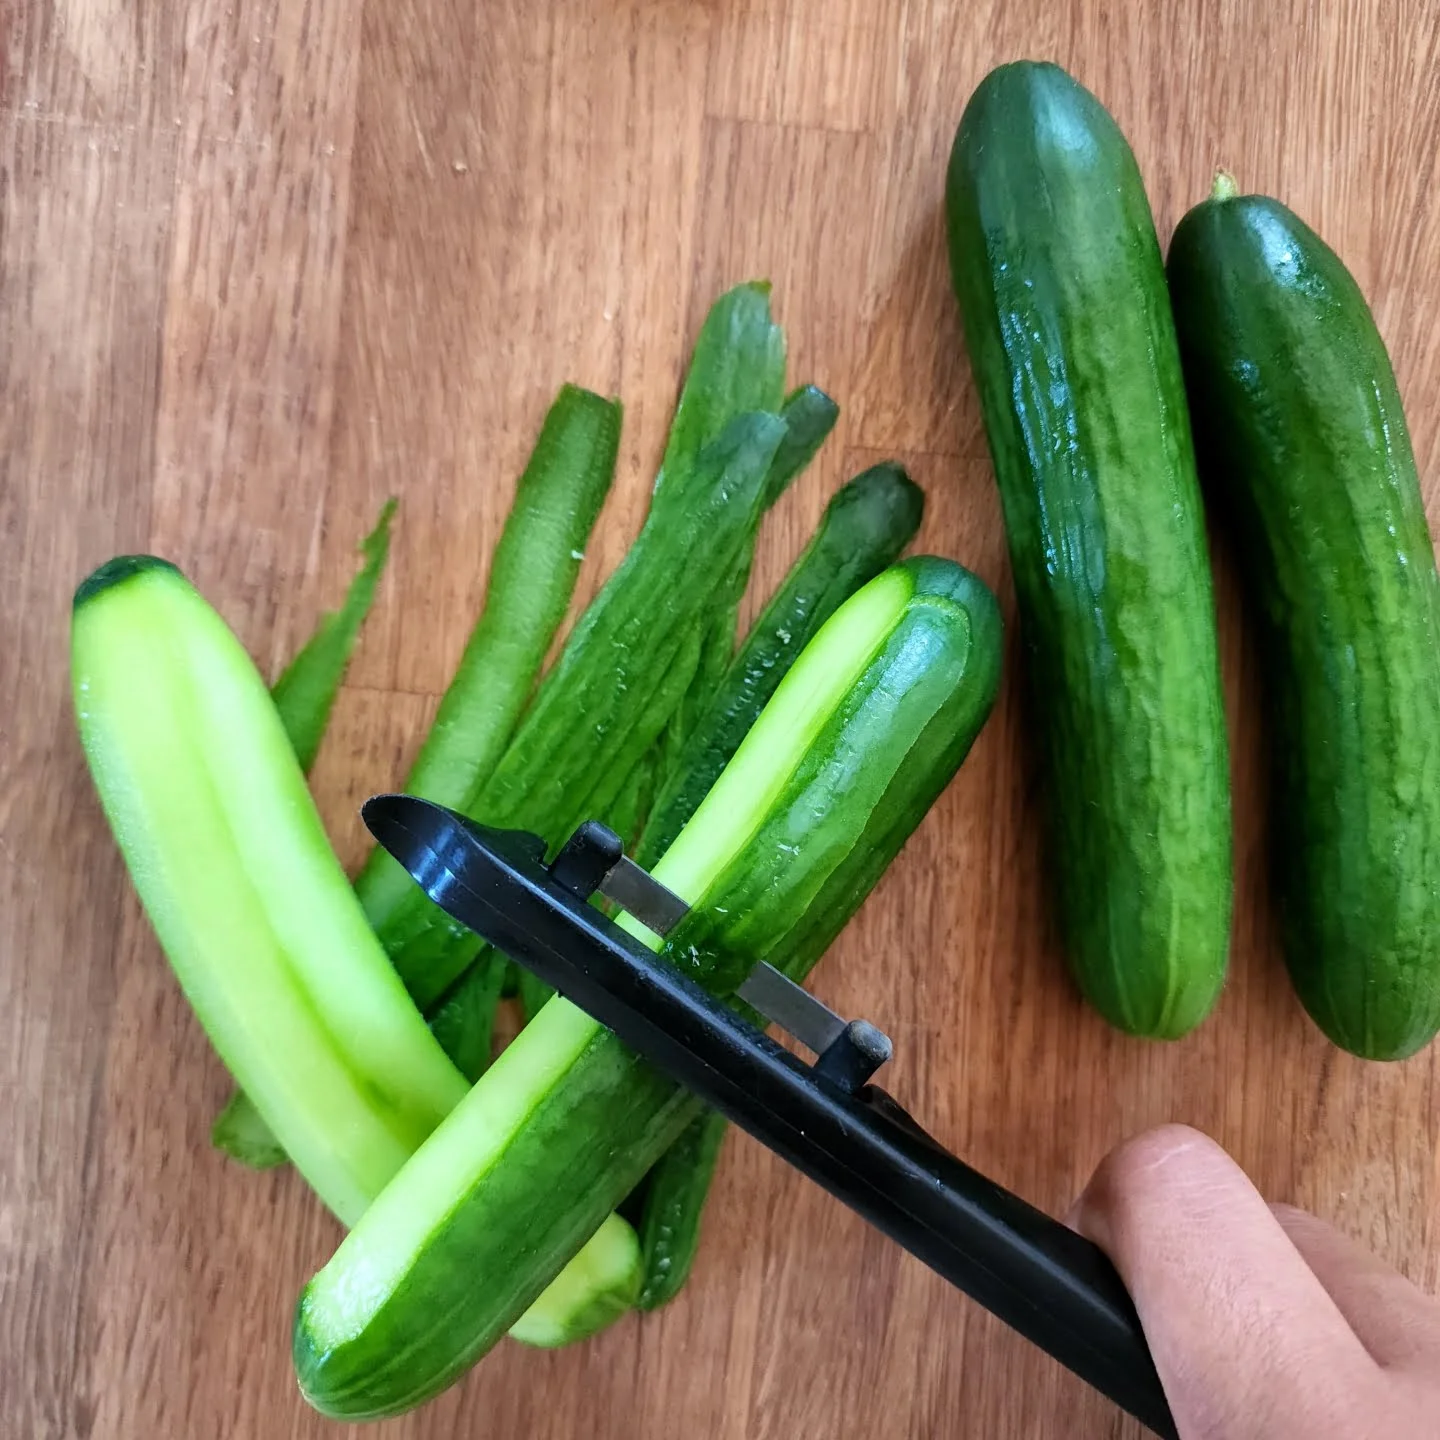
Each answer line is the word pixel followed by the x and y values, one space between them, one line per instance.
pixel 1041 1278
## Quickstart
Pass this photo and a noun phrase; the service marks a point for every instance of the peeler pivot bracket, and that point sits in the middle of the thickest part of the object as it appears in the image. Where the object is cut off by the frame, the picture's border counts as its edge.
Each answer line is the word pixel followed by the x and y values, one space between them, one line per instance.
pixel 848 1052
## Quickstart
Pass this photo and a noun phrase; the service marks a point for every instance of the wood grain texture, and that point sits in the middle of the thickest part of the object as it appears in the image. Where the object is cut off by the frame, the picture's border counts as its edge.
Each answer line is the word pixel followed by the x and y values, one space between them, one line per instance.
pixel 262 265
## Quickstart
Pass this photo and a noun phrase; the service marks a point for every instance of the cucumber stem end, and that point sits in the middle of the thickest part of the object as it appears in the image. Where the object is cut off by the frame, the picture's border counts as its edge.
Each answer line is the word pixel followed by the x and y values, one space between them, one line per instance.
pixel 1224 187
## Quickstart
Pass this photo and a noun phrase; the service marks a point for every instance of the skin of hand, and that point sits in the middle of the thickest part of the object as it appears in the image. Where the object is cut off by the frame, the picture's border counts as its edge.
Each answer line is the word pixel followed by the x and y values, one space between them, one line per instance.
pixel 1265 1322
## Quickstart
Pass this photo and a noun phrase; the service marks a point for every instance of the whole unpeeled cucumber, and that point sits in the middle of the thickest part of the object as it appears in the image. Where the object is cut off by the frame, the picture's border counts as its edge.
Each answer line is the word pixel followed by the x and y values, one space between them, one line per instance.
pixel 1062 289
pixel 1306 449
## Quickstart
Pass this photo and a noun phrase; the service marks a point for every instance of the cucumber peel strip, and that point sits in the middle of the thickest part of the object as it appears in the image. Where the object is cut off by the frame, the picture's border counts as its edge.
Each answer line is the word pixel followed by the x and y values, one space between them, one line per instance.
pixel 532 578
pixel 809 415
pixel 304 695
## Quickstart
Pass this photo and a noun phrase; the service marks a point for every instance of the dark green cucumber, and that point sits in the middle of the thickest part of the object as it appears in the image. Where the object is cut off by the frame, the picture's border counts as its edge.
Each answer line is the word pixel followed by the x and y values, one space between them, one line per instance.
pixel 1072 344
pixel 867 728
pixel 532 577
pixel 210 808
pixel 1305 446
pixel 304 696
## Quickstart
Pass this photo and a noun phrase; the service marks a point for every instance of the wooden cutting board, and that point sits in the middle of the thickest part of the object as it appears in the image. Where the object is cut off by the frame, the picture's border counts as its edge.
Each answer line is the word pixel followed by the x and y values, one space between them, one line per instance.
pixel 263 264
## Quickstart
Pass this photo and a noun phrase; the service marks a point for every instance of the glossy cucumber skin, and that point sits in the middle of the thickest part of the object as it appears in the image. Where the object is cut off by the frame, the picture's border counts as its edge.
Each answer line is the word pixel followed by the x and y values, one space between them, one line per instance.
pixel 880 761
pixel 1062 291
pixel 1305 447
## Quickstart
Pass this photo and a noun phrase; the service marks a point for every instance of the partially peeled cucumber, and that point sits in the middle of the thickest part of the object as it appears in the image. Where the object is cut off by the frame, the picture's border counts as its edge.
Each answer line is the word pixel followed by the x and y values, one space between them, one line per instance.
pixel 205 795
pixel 858 740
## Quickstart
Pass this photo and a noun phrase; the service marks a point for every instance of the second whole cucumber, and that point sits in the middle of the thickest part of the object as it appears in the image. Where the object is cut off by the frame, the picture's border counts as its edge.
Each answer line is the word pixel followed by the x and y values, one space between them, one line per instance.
pixel 1059 276
pixel 1307 450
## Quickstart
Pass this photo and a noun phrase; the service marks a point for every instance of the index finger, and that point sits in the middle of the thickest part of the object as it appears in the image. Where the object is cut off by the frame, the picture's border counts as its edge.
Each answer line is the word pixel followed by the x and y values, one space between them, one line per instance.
pixel 1393 1319
pixel 1246 1339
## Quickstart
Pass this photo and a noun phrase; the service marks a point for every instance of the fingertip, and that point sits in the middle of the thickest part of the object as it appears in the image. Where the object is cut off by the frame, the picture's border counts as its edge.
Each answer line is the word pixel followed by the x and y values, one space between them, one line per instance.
pixel 1155 1169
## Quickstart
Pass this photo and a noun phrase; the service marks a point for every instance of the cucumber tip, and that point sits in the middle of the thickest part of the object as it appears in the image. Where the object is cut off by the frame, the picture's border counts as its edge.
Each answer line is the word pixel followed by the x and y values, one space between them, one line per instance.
pixel 115 571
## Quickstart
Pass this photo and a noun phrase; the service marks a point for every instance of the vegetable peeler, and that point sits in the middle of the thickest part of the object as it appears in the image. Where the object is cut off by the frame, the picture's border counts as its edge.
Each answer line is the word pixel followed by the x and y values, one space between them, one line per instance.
pixel 825 1117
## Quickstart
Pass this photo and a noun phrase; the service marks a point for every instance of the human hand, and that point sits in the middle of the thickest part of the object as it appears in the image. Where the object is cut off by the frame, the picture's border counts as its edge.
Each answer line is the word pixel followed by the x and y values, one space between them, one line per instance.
pixel 1265 1323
